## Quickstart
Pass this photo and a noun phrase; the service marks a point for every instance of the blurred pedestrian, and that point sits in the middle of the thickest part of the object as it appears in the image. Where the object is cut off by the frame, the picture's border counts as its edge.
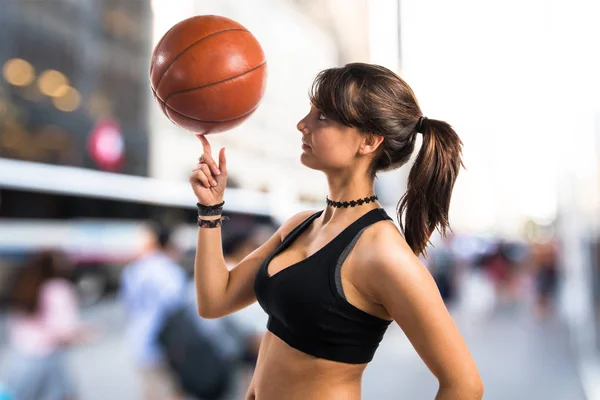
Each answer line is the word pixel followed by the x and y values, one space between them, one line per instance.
pixel 222 352
pixel 207 355
pixel 546 267
pixel 43 323
pixel 500 269
pixel 443 265
pixel 151 288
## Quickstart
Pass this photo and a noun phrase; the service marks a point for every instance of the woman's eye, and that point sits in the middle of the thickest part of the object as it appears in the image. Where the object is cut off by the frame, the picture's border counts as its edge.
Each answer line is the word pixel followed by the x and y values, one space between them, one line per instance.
pixel 321 117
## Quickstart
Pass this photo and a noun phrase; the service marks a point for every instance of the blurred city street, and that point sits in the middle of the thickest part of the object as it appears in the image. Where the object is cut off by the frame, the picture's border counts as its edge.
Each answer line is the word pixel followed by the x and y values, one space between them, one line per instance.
pixel 519 359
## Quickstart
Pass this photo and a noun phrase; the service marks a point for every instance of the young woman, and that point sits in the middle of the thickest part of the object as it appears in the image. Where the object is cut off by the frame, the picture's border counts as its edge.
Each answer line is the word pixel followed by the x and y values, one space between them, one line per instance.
pixel 332 281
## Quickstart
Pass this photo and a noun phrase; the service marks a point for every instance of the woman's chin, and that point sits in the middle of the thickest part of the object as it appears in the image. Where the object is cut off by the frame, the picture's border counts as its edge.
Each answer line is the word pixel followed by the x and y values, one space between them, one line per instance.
pixel 306 160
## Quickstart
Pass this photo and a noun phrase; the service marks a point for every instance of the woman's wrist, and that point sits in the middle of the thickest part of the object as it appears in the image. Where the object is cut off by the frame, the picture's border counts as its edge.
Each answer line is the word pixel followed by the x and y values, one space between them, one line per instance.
pixel 210 216
pixel 210 211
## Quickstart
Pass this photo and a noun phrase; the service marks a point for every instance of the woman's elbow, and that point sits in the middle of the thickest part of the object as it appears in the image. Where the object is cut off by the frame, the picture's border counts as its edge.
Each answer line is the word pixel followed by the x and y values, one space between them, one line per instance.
pixel 208 312
pixel 475 388
pixel 479 390
pixel 467 388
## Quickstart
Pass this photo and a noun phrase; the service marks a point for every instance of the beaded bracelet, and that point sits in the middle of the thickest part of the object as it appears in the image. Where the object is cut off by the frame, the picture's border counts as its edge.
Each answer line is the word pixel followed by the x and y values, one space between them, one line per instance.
pixel 210 211
pixel 213 223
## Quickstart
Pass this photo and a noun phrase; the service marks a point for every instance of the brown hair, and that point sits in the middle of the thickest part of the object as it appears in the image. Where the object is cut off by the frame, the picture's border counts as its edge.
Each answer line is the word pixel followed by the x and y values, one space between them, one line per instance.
pixel 375 100
pixel 37 270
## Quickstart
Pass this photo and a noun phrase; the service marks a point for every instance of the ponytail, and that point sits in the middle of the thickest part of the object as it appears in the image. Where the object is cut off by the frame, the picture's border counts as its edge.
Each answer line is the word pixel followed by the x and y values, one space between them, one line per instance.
pixel 426 203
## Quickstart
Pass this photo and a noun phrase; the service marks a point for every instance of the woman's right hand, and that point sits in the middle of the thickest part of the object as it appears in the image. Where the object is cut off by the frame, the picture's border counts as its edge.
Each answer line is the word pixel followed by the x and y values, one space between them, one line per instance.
pixel 208 179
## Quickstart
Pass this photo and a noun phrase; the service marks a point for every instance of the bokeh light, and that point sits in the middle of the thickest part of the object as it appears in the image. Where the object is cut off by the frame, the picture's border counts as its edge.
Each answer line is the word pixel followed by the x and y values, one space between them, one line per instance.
pixel 18 72
pixel 69 101
pixel 53 83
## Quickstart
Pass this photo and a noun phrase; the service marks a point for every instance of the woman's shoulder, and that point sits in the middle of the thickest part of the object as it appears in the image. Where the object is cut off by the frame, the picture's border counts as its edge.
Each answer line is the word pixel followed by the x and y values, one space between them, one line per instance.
pixel 385 256
pixel 294 221
pixel 382 241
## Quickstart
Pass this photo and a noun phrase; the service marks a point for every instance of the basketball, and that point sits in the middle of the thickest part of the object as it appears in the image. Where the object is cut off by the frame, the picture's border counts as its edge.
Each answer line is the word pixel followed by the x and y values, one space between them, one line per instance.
pixel 208 74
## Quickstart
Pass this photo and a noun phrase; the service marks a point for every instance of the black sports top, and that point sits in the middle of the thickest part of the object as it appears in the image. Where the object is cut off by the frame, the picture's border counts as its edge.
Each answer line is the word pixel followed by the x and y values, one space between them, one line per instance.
pixel 306 304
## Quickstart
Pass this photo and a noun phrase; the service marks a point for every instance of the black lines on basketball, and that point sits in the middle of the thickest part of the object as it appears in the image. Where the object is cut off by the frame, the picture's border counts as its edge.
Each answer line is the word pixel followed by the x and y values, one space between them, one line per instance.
pixel 212 122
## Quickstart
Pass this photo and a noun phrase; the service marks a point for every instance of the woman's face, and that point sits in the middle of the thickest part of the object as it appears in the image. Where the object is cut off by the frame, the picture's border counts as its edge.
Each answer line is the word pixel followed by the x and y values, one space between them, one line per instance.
pixel 327 144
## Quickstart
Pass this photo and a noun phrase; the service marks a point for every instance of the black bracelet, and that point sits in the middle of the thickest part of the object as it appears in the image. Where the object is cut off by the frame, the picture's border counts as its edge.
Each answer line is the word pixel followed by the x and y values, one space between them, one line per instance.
pixel 213 206
pixel 214 223
pixel 210 211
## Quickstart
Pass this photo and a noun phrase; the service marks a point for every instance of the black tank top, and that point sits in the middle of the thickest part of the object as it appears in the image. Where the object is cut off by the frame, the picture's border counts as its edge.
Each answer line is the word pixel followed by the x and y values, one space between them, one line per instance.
pixel 306 304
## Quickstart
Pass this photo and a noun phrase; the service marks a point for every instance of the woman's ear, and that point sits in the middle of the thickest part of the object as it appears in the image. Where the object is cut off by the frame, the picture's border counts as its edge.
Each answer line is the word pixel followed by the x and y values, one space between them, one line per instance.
pixel 370 143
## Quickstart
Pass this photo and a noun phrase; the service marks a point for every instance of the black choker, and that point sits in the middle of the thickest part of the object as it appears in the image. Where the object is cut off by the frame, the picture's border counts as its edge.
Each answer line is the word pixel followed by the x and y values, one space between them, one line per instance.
pixel 353 203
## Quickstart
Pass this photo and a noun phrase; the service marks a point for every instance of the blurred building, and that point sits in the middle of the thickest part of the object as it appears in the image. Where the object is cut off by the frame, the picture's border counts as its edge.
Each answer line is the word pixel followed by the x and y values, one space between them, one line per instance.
pixel 68 66
pixel 72 92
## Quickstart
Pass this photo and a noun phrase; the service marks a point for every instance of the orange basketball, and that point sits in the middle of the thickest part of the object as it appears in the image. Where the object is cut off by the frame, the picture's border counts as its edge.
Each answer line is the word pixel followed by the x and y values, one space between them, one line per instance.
pixel 208 74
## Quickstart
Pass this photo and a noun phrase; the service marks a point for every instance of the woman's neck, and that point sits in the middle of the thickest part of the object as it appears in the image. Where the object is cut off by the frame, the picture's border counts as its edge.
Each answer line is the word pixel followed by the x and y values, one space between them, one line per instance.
pixel 349 188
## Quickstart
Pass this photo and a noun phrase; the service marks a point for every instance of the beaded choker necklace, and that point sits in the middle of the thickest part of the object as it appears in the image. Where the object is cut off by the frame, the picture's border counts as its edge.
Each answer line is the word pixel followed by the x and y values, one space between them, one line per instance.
pixel 353 203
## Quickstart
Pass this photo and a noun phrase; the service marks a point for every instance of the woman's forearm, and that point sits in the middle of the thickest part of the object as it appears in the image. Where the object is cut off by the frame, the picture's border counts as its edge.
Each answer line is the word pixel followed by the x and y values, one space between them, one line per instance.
pixel 210 272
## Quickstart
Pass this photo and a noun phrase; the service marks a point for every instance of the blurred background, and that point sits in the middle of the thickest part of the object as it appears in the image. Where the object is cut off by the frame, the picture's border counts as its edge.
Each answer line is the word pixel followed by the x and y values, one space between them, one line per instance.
pixel 87 160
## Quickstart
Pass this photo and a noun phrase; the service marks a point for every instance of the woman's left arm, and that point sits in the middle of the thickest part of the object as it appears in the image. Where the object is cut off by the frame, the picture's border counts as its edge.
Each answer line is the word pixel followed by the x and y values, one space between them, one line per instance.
pixel 398 281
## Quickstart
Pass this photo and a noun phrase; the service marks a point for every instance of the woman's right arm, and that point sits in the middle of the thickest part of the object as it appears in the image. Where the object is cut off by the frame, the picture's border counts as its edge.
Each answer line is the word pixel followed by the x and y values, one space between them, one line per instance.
pixel 219 291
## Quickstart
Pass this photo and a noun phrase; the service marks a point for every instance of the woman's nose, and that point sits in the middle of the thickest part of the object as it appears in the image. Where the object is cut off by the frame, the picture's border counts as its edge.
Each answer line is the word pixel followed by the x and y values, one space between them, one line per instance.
pixel 301 126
